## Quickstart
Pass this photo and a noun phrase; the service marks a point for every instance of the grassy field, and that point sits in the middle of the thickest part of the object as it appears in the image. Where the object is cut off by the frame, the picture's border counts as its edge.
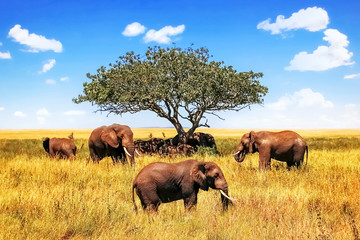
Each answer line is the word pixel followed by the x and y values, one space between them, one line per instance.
pixel 42 198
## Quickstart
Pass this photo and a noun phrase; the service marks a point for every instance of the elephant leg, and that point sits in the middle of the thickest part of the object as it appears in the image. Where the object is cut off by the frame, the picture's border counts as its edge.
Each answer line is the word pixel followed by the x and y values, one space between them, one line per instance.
pixel 68 154
pixel 150 201
pixel 52 153
pixel 123 158
pixel 71 156
pixel 118 155
pixel 290 164
pixel 118 159
pixel 114 160
pixel 264 161
pixel 153 207
pixel 60 155
pixel 190 202
pixel 298 158
pixel 94 156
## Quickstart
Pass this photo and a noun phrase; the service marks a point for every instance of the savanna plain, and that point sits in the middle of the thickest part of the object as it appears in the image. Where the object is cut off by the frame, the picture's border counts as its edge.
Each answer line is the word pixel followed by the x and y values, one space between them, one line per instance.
pixel 43 198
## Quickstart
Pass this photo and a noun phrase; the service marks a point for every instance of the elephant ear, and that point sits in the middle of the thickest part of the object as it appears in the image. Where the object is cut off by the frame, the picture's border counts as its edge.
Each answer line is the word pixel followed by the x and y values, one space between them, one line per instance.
pixel 109 137
pixel 252 141
pixel 198 174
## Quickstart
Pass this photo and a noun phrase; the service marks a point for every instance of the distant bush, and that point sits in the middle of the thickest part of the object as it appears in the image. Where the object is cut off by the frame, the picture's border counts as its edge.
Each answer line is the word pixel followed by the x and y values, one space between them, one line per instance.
pixel 206 151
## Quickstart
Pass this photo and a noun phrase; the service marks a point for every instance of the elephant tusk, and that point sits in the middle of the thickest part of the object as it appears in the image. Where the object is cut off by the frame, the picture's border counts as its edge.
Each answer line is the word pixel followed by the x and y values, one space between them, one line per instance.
pixel 127 152
pixel 231 199
pixel 138 153
pixel 236 153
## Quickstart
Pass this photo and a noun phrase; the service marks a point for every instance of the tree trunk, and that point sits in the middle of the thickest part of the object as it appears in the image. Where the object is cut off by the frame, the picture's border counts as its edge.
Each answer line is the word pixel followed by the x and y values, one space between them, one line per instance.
pixel 182 135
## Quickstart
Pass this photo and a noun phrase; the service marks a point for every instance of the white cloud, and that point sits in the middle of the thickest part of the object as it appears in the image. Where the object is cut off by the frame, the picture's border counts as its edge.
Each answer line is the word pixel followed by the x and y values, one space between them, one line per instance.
pixel 351 116
pixel 19 114
pixel 43 112
pixel 304 98
pixel 41 115
pixel 70 120
pixel 50 81
pixel 133 29
pixel 304 109
pixel 350 106
pixel 36 43
pixel 2 108
pixel 41 120
pixel 324 57
pixel 352 76
pixel 5 55
pixel 307 98
pixel 64 79
pixel 312 19
pixel 74 113
pixel 49 65
pixel 282 104
pixel 163 35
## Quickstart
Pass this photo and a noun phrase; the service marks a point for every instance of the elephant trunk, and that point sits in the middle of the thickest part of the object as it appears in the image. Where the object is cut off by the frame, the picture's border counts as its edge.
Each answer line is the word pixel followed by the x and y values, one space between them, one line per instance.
pixel 240 156
pixel 225 199
pixel 130 150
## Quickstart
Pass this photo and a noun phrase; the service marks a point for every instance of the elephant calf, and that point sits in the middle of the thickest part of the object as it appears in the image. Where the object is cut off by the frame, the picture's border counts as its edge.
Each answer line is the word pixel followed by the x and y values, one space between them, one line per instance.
pixel 286 146
pixel 61 147
pixel 161 182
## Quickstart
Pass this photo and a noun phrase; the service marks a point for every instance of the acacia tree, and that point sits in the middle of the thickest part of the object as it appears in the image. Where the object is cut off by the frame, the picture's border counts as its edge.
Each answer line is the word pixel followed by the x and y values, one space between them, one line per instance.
pixel 175 84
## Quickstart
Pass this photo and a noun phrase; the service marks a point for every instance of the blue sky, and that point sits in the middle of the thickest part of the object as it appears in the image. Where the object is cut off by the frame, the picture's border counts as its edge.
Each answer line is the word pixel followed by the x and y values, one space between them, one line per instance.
pixel 309 52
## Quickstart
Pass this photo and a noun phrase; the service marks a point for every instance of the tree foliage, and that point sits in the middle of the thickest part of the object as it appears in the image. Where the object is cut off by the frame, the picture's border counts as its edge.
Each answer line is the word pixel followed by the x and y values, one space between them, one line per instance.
pixel 175 84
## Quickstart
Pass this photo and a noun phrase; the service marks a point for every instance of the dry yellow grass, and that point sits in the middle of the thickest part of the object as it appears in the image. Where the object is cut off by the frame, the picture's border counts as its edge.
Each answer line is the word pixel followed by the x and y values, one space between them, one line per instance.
pixel 57 199
pixel 169 132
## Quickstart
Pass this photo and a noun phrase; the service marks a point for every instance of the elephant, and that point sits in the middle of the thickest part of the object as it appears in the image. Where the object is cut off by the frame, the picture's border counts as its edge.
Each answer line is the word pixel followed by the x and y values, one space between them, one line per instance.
pixel 61 147
pixel 150 146
pixel 285 146
pixel 198 139
pixel 161 182
pixel 185 149
pixel 204 139
pixel 169 141
pixel 167 150
pixel 115 141
pixel 143 146
pixel 155 144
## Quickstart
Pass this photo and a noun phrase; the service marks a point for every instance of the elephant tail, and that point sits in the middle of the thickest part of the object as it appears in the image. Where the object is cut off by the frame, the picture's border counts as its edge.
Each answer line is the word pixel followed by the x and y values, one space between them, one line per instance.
pixel 133 198
pixel 307 155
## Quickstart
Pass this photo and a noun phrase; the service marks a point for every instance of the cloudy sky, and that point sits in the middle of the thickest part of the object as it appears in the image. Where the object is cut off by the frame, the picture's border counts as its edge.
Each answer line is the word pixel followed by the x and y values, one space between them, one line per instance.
pixel 309 52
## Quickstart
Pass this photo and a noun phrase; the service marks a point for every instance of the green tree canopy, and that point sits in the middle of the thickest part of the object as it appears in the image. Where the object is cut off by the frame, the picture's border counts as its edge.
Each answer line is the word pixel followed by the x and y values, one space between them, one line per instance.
pixel 175 84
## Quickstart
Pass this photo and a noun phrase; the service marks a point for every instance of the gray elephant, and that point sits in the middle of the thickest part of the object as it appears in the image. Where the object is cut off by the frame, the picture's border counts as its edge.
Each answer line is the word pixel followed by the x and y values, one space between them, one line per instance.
pixel 161 182
pixel 115 141
pixel 285 146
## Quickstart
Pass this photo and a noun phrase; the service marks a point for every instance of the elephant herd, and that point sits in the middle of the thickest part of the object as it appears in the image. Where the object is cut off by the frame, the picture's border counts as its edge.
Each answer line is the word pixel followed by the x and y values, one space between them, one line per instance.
pixel 172 146
pixel 161 182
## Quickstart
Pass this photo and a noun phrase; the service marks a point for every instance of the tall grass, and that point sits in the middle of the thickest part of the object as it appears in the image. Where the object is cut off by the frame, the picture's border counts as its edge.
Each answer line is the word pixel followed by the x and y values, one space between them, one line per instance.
pixel 41 198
